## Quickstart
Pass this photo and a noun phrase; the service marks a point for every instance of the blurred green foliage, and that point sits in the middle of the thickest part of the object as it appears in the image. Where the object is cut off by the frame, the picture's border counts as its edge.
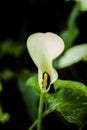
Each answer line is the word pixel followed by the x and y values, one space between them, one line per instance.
pixel 1 87
pixel 72 56
pixel 29 96
pixel 71 32
pixel 4 117
pixel 11 47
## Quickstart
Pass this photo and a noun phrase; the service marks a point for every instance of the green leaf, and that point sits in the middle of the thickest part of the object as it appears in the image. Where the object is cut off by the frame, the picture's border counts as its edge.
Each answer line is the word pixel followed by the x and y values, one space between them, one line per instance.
pixel 70 99
pixel 30 98
pixel 60 84
pixel 73 106
pixel 71 84
pixel 33 83
pixel 73 55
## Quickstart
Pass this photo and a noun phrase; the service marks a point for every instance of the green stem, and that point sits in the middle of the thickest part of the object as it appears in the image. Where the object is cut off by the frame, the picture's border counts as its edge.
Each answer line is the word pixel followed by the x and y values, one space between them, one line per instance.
pixel 34 124
pixel 40 112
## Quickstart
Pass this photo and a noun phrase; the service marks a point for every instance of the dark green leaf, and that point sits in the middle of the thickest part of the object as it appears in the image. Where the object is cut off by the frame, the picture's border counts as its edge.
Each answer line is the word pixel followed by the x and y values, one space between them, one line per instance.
pixel 71 84
pixel 33 83
pixel 73 106
pixel 30 98
pixel 70 99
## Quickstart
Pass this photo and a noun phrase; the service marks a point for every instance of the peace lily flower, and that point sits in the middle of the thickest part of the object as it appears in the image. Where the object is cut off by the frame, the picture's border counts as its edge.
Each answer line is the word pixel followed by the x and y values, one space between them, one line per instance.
pixel 43 49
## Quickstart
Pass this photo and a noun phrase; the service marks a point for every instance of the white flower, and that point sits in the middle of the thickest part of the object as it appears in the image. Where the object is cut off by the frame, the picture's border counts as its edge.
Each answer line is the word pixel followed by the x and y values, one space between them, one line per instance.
pixel 43 49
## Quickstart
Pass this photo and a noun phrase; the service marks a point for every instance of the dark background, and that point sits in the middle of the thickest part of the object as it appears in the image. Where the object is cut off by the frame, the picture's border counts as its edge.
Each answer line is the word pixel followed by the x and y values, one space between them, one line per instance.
pixel 17 21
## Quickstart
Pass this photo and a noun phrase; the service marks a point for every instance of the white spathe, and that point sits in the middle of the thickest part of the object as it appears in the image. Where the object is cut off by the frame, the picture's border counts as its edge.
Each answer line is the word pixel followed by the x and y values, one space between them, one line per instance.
pixel 43 49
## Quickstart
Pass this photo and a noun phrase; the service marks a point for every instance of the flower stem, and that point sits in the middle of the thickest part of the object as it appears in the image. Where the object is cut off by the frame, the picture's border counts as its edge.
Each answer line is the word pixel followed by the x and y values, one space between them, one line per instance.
pixel 40 112
pixel 33 125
